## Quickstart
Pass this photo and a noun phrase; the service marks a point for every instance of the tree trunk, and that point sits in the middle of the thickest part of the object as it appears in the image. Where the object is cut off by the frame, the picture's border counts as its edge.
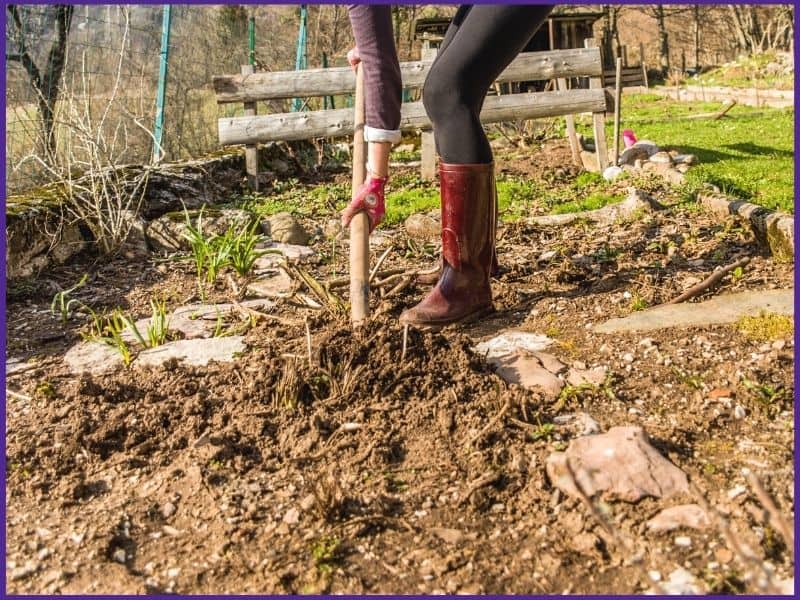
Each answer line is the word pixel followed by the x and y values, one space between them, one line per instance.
pixel 663 40
pixel 47 84
pixel 696 14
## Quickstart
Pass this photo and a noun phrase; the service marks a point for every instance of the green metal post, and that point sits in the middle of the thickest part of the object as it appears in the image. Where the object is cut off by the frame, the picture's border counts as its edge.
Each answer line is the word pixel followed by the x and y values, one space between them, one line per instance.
pixel 251 39
pixel 158 129
pixel 301 61
pixel 326 99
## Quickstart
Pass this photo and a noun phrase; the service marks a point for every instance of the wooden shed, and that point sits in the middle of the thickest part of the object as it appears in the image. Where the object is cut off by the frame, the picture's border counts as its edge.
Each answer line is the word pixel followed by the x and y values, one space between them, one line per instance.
pixel 566 27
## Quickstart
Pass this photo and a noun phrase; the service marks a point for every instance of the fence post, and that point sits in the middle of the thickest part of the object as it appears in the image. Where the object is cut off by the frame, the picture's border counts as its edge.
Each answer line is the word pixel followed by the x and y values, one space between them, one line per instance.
pixel 617 101
pixel 598 120
pixel 301 60
pixel 250 150
pixel 251 39
pixel 427 141
pixel 158 129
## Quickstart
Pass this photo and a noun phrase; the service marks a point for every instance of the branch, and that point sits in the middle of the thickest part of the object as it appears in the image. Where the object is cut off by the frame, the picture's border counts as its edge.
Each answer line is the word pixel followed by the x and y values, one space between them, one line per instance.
pixel 23 56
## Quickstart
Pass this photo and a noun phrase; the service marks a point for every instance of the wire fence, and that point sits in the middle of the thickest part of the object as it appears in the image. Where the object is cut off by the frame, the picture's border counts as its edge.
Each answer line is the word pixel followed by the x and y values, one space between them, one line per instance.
pixel 107 93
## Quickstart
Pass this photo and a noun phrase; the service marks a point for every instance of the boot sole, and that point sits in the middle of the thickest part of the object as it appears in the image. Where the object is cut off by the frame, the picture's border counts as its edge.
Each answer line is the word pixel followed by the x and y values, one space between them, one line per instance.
pixel 470 318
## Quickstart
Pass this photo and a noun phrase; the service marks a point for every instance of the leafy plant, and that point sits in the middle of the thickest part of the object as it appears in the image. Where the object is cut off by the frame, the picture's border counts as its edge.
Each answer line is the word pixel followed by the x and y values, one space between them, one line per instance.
pixel 62 304
pixel 108 329
pixel 543 431
pixel 325 552
pixel 638 303
pixel 243 253
pixel 158 328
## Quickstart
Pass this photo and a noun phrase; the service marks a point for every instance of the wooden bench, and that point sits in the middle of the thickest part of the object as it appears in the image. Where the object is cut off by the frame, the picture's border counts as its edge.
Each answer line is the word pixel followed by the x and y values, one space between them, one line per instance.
pixel 252 129
pixel 629 76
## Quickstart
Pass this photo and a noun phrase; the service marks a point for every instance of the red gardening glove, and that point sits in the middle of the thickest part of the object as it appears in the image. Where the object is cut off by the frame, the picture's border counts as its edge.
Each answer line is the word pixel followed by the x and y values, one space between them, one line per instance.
pixel 371 199
pixel 353 58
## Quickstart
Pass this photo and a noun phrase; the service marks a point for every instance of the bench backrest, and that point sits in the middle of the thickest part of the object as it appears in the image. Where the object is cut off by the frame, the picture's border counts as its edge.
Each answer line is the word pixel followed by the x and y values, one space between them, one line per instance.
pixel 533 66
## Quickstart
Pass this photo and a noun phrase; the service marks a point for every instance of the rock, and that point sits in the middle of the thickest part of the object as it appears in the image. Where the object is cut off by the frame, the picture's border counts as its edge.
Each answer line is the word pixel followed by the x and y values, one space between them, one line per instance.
pixel 423 226
pixel 612 172
pixel 727 308
pixel 198 320
pixel 92 357
pixel 584 543
pixel 673 176
pixel 683 541
pixel 526 371
pixel 119 556
pixel 682 168
pixel 279 166
pixel 292 516
pixel 685 515
pixel 681 583
pixel 333 229
pixel 635 153
pixel 24 571
pixel 582 423
pixel 308 502
pixel 736 491
pixel 196 352
pixel 283 227
pixel 273 286
pixel 723 555
pixel 685 159
pixel 595 376
pixel 165 234
pixel 15 365
pixel 631 207
pixel 621 464
pixel 381 237
pixel 276 254
pixel 451 536
pixel 135 244
pixel 589 161
pixel 38 236
pixel 168 510
pixel 661 158
pixel 510 341
pixel 651 147
pixel 739 412
pixel 550 362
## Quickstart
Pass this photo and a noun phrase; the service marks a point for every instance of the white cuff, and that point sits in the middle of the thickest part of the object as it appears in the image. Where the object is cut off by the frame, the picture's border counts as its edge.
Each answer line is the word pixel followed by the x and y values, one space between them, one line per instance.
pixel 381 135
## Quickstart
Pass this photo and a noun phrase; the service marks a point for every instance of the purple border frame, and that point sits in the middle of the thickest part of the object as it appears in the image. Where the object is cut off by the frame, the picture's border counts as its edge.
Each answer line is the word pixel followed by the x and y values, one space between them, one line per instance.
pixel 287 2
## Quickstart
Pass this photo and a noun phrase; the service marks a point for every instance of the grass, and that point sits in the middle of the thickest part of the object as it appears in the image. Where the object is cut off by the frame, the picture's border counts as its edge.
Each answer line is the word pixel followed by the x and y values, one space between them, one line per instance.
pixel 766 327
pixel 748 154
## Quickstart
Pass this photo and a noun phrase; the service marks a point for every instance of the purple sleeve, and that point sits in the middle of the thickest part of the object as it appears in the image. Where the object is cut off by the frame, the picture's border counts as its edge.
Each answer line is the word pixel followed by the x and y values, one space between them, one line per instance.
pixel 372 29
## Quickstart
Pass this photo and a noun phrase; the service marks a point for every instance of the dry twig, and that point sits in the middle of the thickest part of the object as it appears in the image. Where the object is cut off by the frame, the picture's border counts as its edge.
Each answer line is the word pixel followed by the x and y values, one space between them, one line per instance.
pixel 709 281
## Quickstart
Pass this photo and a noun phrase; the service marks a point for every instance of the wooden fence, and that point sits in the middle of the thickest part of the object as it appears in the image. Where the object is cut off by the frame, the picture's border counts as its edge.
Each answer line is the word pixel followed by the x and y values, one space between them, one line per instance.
pixel 629 76
pixel 252 129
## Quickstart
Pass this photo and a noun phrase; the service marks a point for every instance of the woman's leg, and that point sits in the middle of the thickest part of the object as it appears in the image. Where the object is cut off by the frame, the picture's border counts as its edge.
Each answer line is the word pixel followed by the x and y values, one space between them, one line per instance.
pixel 480 43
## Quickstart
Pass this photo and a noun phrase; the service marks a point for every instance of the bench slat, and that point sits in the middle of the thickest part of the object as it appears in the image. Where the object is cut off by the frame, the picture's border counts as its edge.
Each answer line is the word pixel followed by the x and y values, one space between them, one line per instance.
pixel 529 66
pixel 339 122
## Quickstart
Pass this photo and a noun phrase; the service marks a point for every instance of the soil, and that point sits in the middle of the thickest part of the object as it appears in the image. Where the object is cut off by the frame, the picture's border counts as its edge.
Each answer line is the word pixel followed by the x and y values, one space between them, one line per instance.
pixel 370 469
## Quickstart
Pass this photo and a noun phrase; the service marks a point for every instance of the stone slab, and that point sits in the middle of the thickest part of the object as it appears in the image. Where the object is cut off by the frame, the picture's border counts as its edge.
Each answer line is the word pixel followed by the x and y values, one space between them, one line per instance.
pixel 92 357
pixel 717 311
pixel 511 341
pixel 620 464
pixel 196 352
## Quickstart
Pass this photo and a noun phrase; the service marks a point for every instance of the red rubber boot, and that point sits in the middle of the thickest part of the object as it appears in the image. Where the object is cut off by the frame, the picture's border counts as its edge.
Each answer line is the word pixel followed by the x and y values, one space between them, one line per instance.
pixel 469 218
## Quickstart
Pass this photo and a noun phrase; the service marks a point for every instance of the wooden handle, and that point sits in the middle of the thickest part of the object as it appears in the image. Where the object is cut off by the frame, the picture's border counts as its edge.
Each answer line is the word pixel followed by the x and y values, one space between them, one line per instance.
pixel 359 225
